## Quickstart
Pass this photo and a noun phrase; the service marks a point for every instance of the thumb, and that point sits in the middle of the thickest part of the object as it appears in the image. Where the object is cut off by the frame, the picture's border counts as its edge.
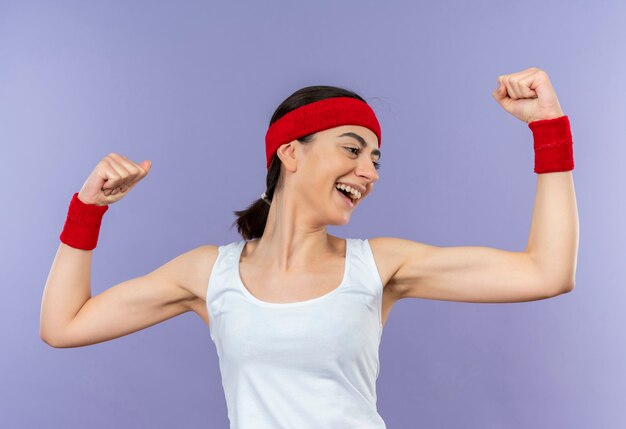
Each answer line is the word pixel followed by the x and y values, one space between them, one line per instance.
pixel 502 96
pixel 499 93
pixel 146 164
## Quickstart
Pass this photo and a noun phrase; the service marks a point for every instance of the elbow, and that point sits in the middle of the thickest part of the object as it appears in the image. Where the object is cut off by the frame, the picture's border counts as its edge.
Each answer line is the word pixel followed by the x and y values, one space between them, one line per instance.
pixel 55 344
pixel 569 287
pixel 50 340
pixel 564 288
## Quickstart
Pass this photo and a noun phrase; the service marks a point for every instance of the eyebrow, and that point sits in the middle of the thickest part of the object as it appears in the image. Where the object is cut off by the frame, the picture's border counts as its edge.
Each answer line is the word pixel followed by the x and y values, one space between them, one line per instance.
pixel 361 141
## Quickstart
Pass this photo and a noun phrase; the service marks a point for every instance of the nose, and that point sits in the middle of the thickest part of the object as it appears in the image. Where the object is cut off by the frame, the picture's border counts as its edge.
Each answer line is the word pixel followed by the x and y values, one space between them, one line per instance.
pixel 366 168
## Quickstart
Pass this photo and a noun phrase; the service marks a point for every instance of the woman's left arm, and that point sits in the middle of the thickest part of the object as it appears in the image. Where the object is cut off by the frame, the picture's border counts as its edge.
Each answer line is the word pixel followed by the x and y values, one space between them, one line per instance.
pixel 482 274
pixel 553 242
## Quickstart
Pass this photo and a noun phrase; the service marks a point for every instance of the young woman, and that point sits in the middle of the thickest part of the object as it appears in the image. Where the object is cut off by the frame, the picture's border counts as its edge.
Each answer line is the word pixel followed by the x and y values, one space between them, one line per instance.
pixel 296 313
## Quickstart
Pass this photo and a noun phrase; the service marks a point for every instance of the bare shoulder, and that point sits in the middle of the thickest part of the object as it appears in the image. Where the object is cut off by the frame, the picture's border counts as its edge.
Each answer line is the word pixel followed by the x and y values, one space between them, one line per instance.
pixel 390 254
pixel 193 271
pixel 196 268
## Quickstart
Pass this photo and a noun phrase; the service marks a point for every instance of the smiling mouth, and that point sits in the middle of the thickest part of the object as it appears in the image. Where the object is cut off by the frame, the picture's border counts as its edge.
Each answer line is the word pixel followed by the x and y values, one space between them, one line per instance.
pixel 346 198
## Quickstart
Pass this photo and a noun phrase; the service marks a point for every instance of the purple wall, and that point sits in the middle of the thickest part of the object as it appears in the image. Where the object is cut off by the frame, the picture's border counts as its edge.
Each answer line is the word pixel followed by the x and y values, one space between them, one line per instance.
pixel 192 85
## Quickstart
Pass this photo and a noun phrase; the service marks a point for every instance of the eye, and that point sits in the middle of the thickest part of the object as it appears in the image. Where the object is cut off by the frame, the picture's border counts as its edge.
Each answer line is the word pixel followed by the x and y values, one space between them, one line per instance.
pixel 356 152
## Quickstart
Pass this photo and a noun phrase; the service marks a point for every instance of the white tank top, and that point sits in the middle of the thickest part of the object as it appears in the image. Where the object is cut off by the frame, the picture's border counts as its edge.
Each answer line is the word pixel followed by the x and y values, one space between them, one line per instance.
pixel 308 365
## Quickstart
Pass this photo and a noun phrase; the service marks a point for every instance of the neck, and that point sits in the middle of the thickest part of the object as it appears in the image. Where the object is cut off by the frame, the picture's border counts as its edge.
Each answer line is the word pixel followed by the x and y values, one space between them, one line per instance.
pixel 291 240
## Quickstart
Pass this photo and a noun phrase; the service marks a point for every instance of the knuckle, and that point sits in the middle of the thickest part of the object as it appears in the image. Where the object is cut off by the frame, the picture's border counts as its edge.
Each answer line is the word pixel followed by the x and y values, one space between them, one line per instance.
pixel 107 162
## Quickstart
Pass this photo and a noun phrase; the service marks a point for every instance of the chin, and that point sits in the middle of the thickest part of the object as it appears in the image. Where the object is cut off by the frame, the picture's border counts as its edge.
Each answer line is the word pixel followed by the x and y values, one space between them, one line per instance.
pixel 340 222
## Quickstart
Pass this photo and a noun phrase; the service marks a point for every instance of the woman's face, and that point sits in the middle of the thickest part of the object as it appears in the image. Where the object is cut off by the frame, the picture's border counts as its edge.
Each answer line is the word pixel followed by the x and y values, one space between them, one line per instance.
pixel 345 154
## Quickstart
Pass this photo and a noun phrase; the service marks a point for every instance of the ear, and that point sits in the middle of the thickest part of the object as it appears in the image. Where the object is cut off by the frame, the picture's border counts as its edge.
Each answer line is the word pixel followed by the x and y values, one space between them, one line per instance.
pixel 287 154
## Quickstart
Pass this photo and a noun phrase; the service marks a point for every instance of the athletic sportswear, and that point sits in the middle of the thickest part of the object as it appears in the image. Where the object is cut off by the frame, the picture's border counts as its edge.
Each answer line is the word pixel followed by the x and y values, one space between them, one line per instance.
pixel 302 365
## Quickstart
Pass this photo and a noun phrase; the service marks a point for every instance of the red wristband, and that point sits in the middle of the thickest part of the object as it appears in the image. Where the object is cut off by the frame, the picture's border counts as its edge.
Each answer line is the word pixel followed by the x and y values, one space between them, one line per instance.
pixel 82 224
pixel 554 150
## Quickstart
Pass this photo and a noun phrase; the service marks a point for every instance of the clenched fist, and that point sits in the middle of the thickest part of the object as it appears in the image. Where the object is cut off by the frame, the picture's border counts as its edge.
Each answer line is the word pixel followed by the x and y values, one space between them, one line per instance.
pixel 111 180
pixel 528 95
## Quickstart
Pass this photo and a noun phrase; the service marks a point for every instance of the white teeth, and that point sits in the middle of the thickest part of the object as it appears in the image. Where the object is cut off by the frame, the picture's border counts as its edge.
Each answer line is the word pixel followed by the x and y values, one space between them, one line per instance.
pixel 355 194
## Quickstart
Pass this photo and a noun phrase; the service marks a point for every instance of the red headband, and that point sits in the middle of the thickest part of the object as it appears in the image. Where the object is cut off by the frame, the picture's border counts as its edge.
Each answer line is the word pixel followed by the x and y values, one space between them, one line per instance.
pixel 318 116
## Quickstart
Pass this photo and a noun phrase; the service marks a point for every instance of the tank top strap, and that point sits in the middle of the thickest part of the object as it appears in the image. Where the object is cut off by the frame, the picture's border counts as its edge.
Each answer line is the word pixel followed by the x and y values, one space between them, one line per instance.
pixel 223 265
pixel 364 266
pixel 220 279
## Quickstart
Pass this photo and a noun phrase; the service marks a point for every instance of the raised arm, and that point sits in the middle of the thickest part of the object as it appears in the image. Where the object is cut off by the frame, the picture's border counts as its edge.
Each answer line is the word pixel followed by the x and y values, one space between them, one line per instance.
pixel 481 274
pixel 70 317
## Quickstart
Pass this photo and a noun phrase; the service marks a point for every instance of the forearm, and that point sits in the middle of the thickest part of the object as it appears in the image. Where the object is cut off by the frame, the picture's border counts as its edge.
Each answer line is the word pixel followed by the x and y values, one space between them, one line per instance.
pixel 553 240
pixel 67 289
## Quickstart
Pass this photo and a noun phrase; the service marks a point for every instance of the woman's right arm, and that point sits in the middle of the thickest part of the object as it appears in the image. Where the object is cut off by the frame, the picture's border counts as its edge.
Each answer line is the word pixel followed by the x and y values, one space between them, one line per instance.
pixel 70 317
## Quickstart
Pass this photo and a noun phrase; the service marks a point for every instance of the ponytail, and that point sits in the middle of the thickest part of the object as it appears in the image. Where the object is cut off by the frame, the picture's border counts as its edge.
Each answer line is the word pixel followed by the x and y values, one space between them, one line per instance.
pixel 251 221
